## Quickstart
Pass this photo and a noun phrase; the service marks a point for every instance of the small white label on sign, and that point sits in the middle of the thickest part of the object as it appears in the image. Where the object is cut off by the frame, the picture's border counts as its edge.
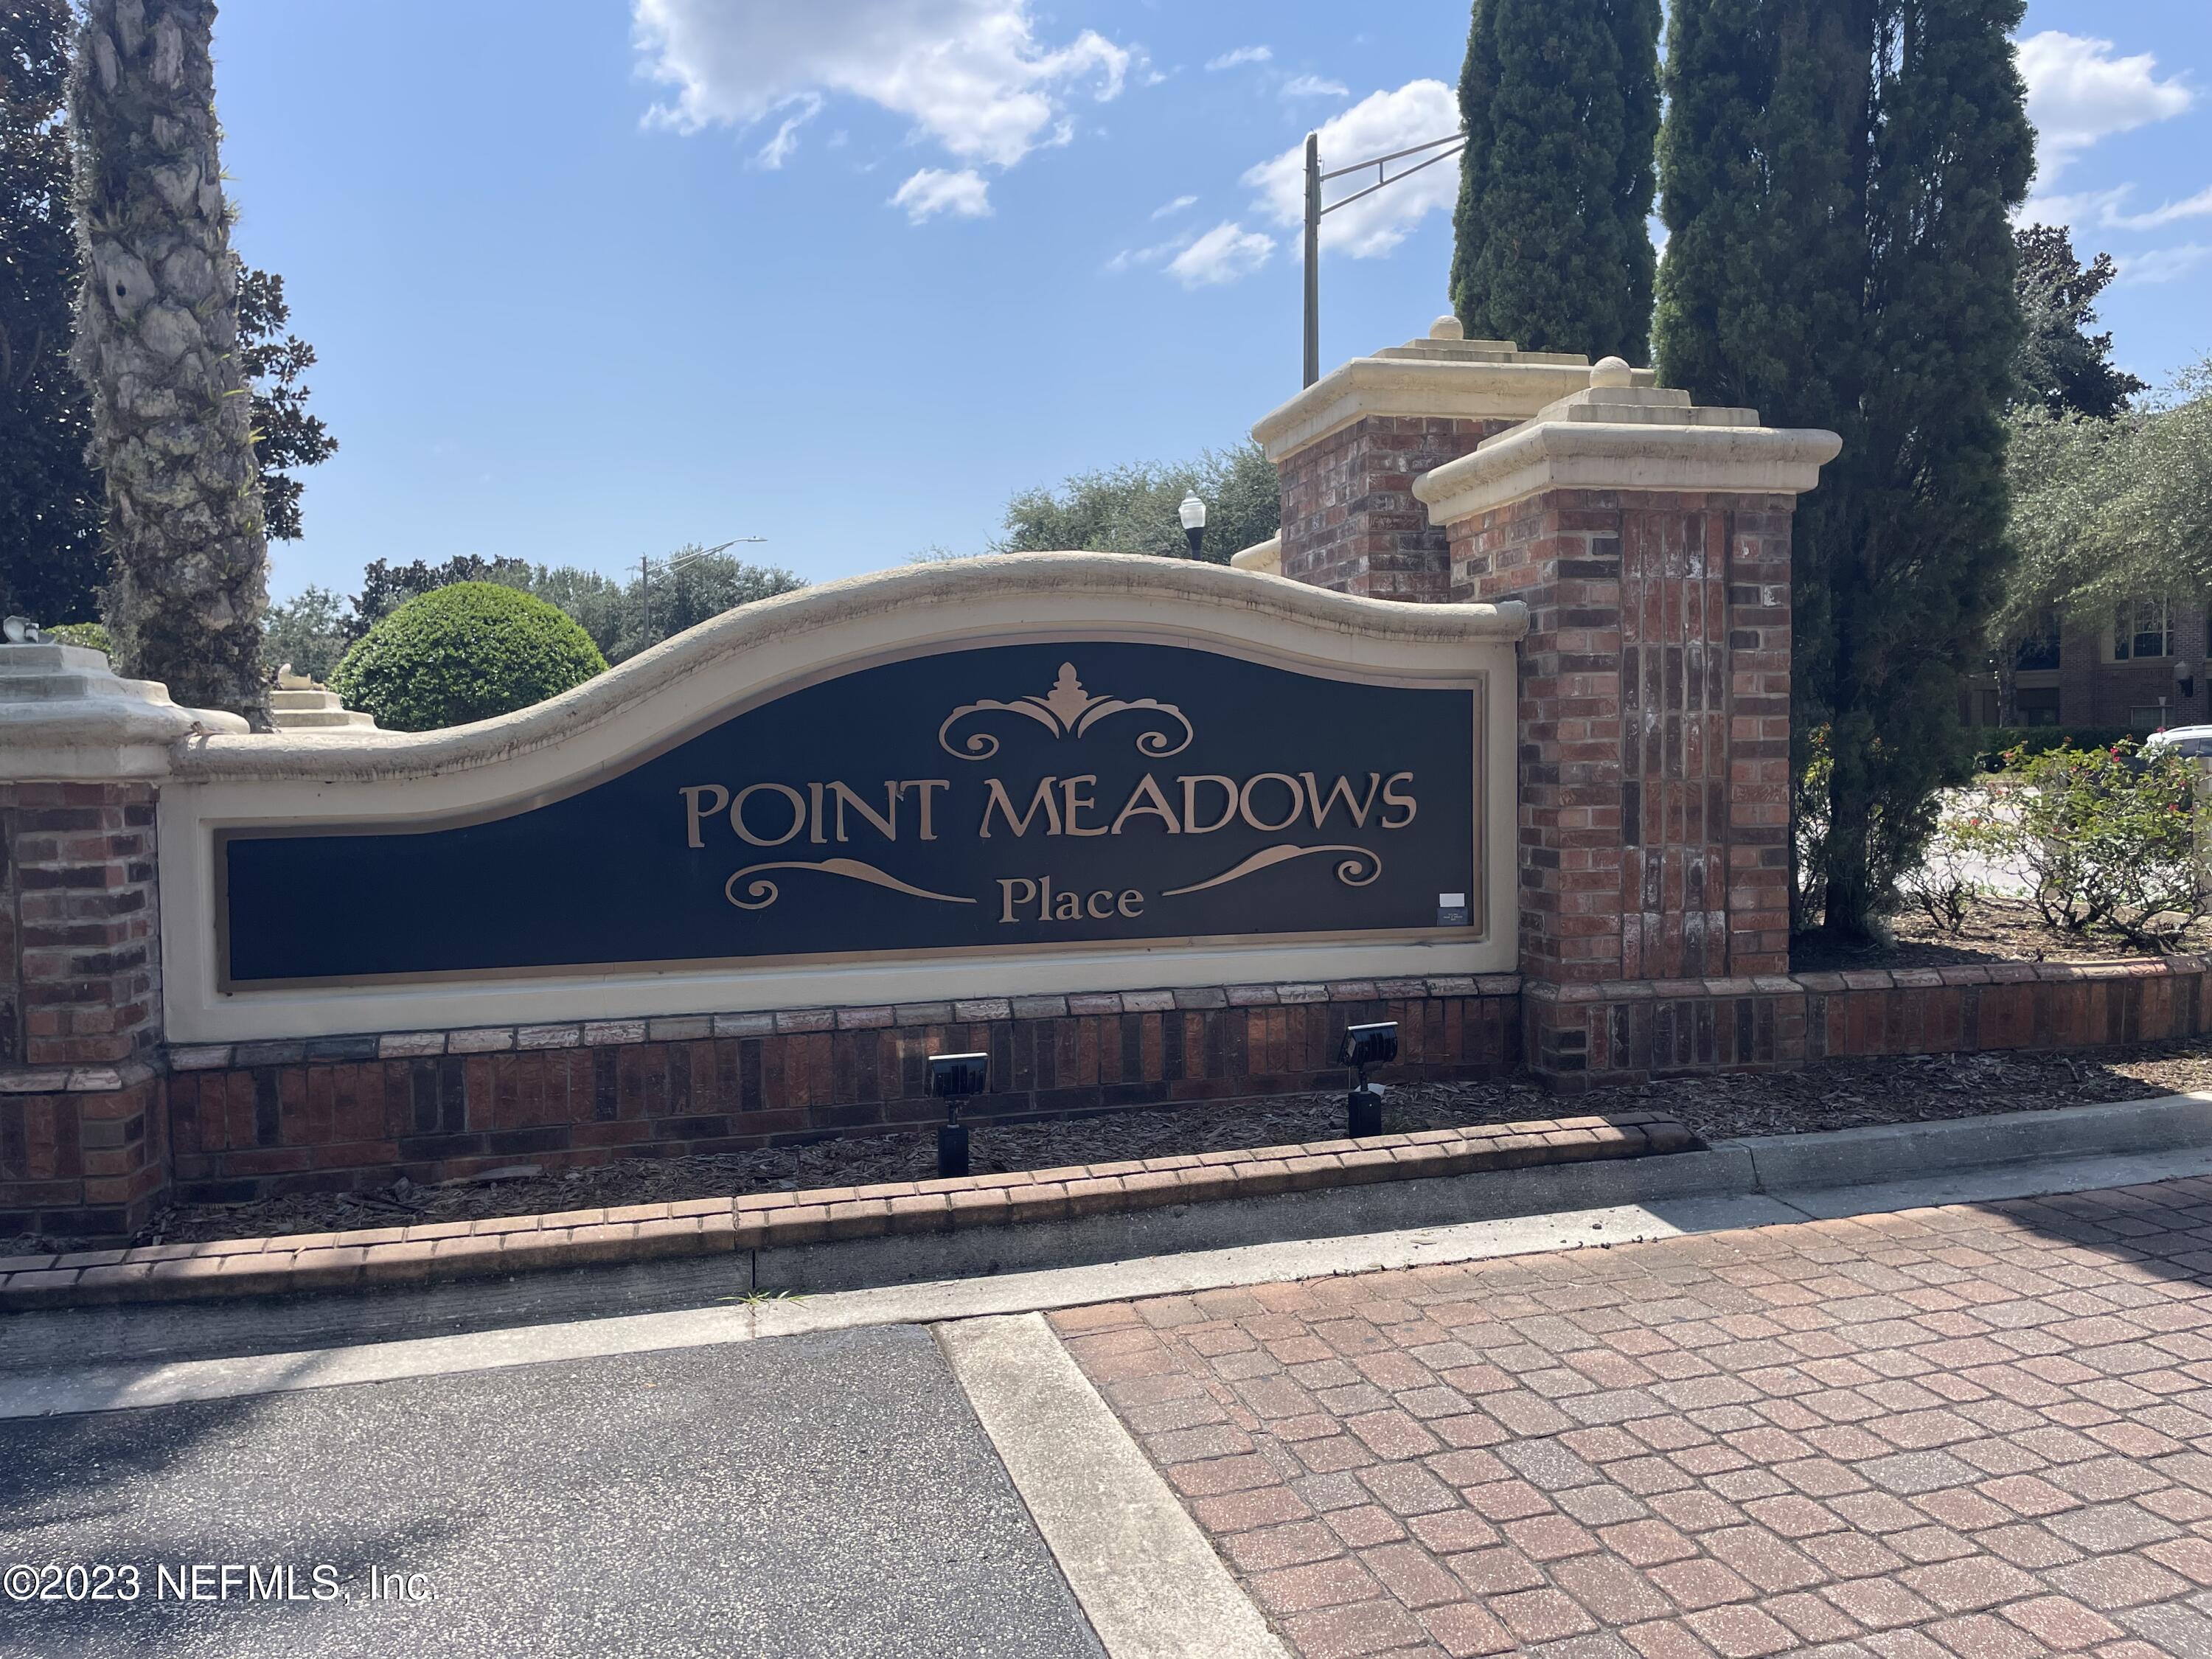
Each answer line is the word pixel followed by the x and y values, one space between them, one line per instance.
pixel 1451 900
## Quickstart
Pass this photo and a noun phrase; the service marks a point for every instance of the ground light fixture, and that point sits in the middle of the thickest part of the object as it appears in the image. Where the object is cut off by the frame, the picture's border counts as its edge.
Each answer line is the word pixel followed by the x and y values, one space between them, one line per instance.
pixel 952 1079
pixel 1193 515
pixel 1365 1045
pixel 20 631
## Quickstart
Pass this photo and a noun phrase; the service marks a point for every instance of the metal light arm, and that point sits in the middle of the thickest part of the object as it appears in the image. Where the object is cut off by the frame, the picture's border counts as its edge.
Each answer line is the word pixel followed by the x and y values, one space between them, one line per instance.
pixel 1446 147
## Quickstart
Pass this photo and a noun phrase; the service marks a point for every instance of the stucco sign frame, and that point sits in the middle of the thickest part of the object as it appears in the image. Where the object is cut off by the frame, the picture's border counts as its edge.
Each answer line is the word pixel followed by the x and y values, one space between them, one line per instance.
pixel 319 801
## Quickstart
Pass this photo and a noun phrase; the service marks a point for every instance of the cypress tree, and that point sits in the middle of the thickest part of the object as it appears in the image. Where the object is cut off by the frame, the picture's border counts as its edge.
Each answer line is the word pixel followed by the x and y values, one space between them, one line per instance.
pixel 1838 177
pixel 1560 101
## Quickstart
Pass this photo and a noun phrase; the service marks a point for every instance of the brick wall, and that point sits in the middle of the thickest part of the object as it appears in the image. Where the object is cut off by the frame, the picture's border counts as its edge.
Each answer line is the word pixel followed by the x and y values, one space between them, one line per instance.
pixel 1654 719
pixel 80 970
pixel 89 1161
pixel 84 1142
pixel 255 1119
pixel 1620 1030
pixel 1349 521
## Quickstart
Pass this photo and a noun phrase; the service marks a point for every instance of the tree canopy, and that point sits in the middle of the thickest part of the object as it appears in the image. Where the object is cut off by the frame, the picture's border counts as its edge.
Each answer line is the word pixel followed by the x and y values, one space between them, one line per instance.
pixel 1132 508
pixel 2109 511
pixel 2063 366
pixel 313 630
pixel 50 493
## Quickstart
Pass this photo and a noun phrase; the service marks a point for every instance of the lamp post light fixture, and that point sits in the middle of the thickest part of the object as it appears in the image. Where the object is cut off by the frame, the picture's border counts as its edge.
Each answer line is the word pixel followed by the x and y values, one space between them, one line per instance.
pixel 1193 515
pixel 1365 1045
pixel 952 1078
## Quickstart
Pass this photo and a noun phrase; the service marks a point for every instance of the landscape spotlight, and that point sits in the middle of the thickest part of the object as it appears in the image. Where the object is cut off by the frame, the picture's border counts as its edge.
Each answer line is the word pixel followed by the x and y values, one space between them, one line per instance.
pixel 1193 515
pixel 1365 1045
pixel 21 630
pixel 952 1078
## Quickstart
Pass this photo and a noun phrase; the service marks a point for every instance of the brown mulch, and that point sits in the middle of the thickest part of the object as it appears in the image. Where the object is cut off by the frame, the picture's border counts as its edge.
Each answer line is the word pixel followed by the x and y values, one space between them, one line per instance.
pixel 1996 930
pixel 1831 1095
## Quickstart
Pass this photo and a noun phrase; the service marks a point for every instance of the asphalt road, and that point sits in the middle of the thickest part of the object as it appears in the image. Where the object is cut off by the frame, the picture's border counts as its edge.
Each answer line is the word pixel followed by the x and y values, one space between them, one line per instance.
pixel 828 1494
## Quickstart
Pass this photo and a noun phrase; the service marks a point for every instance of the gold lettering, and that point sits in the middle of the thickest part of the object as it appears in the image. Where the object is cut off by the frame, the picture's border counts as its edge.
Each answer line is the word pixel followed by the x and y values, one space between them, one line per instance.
pixel 1244 799
pixel 1131 899
pixel 1068 906
pixel 1341 789
pixel 1190 822
pixel 1009 898
pixel 997 801
pixel 1146 797
pixel 1391 799
pixel 814 795
pixel 887 828
pixel 798 813
pixel 928 829
pixel 1090 905
pixel 694 813
pixel 1082 803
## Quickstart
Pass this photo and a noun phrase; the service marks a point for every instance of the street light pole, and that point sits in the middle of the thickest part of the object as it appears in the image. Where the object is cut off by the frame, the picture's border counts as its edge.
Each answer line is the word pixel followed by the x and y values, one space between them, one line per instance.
pixel 1446 147
pixel 1313 258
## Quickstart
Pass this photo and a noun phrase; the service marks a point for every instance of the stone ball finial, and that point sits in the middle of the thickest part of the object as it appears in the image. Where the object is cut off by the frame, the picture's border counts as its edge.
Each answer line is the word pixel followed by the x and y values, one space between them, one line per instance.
pixel 1446 327
pixel 1610 371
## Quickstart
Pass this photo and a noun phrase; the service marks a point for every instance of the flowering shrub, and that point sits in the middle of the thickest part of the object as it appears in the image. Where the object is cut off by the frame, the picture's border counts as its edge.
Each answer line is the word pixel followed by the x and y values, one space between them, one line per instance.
pixel 1954 871
pixel 2108 838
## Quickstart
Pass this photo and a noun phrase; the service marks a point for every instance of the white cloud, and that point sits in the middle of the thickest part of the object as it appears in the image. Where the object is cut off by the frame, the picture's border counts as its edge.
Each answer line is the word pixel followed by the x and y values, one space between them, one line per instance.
pixel 2193 207
pixel 2078 93
pixel 775 152
pixel 2164 264
pixel 1314 86
pixel 2103 210
pixel 1224 254
pixel 1381 123
pixel 1129 257
pixel 1242 55
pixel 1168 209
pixel 970 74
pixel 932 190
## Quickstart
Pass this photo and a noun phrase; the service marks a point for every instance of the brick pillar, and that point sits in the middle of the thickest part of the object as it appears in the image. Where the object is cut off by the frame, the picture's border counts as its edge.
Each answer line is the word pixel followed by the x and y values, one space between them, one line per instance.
pixel 1651 541
pixel 1349 447
pixel 84 1147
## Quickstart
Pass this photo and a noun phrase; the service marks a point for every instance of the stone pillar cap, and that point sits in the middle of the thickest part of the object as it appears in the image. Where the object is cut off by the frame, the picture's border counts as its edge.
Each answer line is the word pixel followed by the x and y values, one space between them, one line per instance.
pixel 1617 436
pixel 64 714
pixel 1442 377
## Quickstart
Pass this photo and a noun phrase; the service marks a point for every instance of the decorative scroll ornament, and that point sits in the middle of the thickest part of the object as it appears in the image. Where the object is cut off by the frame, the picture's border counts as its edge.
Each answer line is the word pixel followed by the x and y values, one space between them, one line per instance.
pixel 1068 709
pixel 760 892
pixel 1348 870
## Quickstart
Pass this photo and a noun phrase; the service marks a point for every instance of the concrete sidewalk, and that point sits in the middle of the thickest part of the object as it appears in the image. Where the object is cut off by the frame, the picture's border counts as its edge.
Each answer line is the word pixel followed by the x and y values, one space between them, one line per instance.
pixel 1983 1430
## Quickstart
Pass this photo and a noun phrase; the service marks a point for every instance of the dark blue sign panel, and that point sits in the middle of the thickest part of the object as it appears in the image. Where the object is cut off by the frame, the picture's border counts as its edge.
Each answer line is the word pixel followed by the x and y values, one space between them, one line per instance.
pixel 1012 795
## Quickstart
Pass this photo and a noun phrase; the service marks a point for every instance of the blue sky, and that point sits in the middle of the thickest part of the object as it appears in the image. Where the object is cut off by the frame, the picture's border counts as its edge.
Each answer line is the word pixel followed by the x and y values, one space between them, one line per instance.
pixel 592 280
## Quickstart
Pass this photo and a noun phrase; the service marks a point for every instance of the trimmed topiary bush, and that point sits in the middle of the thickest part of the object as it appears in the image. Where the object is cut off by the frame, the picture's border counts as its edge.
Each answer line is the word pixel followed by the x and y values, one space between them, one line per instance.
pixel 461 653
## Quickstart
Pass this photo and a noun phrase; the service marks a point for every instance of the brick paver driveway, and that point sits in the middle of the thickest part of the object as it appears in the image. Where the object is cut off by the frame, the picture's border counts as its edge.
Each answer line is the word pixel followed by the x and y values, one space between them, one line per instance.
pixel 1979 1430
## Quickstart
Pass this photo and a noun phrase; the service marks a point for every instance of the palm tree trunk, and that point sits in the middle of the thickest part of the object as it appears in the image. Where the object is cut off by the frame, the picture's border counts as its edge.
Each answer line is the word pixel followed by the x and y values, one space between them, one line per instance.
pixel 156 342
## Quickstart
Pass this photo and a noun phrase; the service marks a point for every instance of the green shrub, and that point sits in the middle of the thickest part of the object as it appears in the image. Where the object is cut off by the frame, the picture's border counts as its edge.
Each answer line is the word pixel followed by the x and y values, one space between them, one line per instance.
pixel 2110 839
pixel 463 653
pixel 1997 747
pixel 91 636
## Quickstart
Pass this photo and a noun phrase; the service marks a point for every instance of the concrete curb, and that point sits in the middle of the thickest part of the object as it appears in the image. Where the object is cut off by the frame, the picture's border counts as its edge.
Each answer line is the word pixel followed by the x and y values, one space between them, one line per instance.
pixel 1889 1152
pixel 1147 1579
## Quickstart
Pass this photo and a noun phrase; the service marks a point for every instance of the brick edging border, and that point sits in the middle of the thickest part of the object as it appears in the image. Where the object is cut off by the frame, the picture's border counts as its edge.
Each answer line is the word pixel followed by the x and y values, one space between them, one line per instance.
pixel 386 1257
